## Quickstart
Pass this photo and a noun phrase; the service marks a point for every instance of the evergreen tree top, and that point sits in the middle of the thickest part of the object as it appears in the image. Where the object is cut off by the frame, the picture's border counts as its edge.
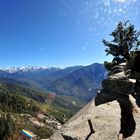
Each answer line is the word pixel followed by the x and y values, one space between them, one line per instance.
pixel 125 38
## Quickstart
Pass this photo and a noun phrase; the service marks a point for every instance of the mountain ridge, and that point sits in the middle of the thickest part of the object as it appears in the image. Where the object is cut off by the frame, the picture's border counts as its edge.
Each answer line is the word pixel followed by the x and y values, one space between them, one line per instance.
pixel 78 81
pixel 84 82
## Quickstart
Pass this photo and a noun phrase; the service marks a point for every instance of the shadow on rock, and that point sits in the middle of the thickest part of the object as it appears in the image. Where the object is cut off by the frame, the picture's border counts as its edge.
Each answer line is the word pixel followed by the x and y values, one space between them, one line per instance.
pixel 128 124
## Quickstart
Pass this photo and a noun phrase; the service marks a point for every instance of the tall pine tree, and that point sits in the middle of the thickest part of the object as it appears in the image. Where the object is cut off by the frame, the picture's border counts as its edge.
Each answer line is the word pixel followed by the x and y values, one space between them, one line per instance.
pixel 125 38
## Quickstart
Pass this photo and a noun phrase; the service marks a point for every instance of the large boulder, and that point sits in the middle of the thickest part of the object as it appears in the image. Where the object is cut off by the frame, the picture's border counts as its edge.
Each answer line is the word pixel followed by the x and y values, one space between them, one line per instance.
pixel 118 86
pixel 118 76
pixel 92 123
pixel 136 116
pixel 113 115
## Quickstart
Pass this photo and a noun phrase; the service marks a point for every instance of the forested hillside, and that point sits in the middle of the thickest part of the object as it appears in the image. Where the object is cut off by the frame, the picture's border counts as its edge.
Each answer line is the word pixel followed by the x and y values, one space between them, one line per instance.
pixel 20 107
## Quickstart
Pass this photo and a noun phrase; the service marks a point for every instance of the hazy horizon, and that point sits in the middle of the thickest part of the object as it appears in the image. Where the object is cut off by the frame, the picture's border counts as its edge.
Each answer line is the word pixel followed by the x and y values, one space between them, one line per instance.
pixel 30 66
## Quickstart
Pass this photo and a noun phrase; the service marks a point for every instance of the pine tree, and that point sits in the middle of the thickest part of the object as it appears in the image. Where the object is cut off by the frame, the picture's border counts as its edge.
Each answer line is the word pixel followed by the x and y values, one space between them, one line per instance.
pixel 7 127
pixel 125 38
pixel 2 128
pixel 9 124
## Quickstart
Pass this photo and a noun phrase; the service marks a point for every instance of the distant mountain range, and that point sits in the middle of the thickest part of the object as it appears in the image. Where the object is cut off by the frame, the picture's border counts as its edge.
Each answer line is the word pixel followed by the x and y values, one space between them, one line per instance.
pixel 77 81
pixel 82 83
pixel 23 69
pixel 54 93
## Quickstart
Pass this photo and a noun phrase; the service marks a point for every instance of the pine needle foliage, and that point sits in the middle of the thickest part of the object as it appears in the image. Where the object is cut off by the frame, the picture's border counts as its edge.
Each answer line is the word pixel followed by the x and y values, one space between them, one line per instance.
pixel 125 38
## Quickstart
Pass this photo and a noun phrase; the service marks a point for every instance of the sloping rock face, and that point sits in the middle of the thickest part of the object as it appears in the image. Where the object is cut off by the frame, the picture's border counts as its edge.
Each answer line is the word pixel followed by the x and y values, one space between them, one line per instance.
pixel 92 123
pixel 136 115
pixel 122 91
pixel 113 115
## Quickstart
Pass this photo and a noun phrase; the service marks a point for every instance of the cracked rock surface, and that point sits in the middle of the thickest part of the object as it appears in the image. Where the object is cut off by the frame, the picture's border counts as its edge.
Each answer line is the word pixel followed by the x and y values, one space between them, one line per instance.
pixel 105 121
pixel 136 115
pixel 113 115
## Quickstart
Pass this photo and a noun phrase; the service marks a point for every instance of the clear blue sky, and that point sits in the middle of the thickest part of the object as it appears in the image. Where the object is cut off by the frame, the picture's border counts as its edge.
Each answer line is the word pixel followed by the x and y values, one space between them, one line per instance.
pixel 59 32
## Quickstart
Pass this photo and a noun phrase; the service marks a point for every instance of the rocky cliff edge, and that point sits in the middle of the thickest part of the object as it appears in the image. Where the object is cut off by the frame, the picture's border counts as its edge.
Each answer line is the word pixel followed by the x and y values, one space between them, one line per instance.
pixel 113 115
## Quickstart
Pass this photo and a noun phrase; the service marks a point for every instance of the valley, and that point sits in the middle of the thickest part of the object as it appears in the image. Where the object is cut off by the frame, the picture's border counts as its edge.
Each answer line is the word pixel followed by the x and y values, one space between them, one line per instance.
pixel 41 100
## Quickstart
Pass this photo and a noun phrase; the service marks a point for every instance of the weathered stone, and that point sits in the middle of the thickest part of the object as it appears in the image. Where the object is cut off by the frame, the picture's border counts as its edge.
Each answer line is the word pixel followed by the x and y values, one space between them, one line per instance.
pixel 136 115
pixel 117 69
pixel 113 115
pixel 118 86
pixel 137 88
pixel 118 76
pixel 56 136
pixel 135 75
pixel 105 121
pixel 104 97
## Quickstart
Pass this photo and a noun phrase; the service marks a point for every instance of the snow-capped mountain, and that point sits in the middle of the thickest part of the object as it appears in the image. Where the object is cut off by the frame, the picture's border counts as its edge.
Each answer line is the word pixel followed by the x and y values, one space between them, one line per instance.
pixel 23 69
pixel 76 81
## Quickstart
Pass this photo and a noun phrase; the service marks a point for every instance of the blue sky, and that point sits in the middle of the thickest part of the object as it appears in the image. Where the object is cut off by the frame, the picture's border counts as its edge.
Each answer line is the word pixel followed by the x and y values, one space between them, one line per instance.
pixel 60 32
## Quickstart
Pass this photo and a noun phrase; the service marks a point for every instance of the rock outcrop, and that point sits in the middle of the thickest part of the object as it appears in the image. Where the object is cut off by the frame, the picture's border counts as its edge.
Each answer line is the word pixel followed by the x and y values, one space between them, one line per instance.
pixel 97 123
pixel 113 115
